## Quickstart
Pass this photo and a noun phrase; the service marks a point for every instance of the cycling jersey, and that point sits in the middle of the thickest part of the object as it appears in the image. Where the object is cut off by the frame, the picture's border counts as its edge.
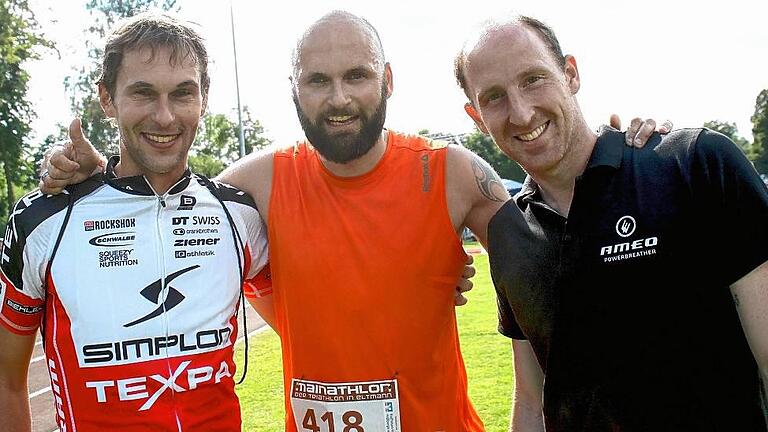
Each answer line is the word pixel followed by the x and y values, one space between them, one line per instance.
pixel 138 296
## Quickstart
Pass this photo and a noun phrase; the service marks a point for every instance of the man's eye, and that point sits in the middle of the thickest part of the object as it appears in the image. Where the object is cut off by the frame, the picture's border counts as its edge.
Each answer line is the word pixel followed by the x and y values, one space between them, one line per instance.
pixel 493 97
pixel 356 75
pixel 182 93
pixel 318 80
pixel 143 92
pixel 533 79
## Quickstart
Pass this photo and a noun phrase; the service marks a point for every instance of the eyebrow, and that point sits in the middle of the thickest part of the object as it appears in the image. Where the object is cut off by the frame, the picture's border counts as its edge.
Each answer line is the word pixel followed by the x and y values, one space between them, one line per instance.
pixel 145 85
pixel 359 69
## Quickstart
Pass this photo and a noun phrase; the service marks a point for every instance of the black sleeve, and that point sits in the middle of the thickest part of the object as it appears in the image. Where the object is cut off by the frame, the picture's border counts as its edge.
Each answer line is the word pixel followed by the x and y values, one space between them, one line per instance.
pixel 734 195
pixel 507 323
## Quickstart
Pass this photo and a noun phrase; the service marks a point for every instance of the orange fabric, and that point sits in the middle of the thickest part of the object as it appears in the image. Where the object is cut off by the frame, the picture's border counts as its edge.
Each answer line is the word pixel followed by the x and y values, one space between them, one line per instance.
pixel 364 272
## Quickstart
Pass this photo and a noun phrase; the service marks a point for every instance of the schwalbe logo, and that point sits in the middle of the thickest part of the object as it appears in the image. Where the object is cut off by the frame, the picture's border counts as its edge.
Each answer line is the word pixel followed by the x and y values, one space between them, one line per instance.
pixel 118 239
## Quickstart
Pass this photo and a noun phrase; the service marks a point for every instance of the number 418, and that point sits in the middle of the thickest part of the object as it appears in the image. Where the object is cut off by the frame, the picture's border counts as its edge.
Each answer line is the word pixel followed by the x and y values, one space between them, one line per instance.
pixel 352 421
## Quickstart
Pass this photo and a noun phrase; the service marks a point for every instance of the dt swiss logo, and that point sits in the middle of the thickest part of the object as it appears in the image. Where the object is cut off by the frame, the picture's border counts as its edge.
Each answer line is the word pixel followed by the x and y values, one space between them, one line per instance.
pixel 626 225
pixel 152 293
pixel 186 202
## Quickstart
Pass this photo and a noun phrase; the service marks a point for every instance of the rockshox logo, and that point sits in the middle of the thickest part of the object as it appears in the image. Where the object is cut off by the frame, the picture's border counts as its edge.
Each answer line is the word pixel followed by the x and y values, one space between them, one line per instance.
pixel 108 224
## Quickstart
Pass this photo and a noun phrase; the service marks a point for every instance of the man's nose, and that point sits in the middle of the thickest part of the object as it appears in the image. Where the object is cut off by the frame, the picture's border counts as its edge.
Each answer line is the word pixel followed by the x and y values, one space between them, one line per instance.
pixel 339 95
pixel 163 114
pixel 520 112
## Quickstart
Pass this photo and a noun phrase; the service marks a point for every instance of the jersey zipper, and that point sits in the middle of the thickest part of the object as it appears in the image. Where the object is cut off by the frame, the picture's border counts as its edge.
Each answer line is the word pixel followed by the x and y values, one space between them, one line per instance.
pixel 160 205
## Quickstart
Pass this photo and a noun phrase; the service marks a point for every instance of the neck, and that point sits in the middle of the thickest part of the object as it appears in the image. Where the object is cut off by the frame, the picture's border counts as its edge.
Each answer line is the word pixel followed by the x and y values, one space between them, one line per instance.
pixel 557 184
pixel 160 183
pixel 362 165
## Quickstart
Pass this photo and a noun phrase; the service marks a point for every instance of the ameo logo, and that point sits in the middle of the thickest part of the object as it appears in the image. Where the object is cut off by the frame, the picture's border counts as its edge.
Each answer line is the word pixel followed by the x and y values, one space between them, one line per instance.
pixel 626 225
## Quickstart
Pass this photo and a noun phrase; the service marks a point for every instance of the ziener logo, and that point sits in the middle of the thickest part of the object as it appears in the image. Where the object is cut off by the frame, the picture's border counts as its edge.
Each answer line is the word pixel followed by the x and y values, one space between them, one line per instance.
pixel 626 225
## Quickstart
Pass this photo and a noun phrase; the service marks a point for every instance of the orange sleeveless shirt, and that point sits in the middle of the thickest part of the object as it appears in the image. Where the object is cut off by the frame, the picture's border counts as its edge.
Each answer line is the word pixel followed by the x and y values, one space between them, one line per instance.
pixel 364 271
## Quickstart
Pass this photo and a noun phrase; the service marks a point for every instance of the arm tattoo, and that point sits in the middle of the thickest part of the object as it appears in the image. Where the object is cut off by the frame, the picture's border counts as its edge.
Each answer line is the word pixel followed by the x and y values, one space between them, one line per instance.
pixel 736 301
pixel 487 181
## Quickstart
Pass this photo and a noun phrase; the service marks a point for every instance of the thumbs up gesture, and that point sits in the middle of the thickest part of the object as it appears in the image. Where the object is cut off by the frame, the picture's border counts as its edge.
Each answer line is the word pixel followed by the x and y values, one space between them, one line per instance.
pixel 70 163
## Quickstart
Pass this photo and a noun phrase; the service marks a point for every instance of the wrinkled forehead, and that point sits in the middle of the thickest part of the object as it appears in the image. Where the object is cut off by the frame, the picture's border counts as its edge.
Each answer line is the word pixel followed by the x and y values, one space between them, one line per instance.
pixel 337 44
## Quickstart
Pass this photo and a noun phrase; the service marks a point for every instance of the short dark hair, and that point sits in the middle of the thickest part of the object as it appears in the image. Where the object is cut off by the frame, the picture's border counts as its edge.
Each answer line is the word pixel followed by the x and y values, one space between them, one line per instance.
pixel 153 30
pixel 545 32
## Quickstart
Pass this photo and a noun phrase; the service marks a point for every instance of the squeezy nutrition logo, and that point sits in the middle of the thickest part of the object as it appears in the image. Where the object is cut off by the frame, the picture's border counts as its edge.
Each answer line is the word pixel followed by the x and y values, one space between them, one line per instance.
pixel 624 250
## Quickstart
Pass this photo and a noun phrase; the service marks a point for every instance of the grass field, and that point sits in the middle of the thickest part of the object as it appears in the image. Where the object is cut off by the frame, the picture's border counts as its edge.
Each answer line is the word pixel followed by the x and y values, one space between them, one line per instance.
pixel 487 356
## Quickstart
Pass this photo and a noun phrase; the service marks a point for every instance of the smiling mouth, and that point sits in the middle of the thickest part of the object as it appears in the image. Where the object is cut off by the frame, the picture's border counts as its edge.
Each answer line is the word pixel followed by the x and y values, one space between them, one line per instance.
pixel 160 139
pixel 340 120
pixel 532 135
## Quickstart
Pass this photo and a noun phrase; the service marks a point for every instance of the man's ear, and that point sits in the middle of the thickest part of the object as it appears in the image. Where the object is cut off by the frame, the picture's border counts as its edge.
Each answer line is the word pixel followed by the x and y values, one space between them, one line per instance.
pixel 204 106
pixel 105 100
pixel 388 77
pixel 475 116
pixel 572 74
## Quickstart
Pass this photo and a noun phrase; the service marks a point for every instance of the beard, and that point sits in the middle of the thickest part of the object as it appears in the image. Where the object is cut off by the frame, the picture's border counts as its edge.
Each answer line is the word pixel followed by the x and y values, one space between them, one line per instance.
pixel 344 147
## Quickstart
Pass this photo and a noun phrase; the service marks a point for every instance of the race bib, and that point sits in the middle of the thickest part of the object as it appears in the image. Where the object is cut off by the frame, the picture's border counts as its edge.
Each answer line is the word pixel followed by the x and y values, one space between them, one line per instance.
pixel 368 406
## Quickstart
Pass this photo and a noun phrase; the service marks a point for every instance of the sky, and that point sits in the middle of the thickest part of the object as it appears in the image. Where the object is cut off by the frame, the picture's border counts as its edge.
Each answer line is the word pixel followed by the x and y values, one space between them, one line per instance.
pixel 689 62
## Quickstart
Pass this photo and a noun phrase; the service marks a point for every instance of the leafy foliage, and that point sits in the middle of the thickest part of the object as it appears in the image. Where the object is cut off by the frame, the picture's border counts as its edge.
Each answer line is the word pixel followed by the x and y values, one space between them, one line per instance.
pixel 20 41
pixel 217 143
pixel 484 147
pixel 731 131
pixel 760 132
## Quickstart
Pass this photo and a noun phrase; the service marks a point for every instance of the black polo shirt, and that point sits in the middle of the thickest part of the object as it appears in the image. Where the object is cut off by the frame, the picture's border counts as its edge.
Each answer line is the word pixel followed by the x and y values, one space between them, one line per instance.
pixel 626 303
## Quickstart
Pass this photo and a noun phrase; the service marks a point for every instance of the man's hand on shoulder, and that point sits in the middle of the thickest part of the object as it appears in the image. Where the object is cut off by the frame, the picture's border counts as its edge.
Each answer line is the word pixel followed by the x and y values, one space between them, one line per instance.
pixel 465 283
pixel 69 163
pixel 639 130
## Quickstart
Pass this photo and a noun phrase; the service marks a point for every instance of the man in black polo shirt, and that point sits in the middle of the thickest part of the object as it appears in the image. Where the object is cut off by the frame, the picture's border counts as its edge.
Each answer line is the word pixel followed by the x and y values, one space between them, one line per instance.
pixel 634 280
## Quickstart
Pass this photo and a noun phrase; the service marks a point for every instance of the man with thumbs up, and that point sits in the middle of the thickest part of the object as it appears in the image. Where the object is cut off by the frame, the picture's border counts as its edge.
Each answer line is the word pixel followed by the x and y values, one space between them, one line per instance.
pixel 134 277
pixel 77 148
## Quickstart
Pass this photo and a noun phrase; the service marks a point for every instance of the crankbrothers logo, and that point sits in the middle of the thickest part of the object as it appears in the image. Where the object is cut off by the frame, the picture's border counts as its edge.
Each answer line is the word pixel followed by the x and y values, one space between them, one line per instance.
pixel 625 227
pixel 118 239
pixel 152 293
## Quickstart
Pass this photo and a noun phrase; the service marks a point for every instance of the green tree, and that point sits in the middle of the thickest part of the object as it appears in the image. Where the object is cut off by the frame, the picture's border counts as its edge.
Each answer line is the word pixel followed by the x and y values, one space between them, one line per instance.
pixel 81 86
pixel 484 147
pixel 217 143
pixel 731 131
pixel 760 132
pixel 20 41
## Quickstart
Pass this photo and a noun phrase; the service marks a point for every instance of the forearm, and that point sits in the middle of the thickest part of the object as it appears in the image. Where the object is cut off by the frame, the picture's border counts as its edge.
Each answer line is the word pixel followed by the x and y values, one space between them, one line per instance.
pixel 14 409
pixel 265 308
pixel 525 417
